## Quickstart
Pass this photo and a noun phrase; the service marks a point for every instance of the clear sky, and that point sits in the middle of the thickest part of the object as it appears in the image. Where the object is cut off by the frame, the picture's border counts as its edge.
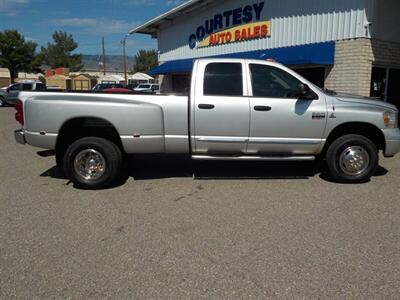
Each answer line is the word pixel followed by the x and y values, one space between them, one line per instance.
pixel 86 20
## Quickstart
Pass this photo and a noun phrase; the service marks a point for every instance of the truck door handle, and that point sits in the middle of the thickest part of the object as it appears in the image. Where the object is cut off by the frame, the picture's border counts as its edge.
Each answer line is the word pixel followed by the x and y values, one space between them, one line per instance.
pixel 206 106
pixel 262 108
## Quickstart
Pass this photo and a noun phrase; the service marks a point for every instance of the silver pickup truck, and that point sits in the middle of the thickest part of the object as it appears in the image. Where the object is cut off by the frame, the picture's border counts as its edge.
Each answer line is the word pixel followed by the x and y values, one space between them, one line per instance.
pixel 9 95
pixel 237 110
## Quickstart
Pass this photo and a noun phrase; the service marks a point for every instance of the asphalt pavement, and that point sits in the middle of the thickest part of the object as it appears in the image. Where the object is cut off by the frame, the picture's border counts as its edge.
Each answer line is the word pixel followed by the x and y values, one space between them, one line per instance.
pixel 174 229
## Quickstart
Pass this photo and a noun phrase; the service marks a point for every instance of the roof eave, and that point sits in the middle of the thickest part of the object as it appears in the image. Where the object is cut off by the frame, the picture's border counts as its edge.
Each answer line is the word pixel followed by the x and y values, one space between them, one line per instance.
pixel 151 27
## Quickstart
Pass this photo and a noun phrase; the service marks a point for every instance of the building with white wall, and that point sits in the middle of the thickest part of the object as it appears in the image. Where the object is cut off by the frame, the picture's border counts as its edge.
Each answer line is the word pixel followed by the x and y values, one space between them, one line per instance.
pixel 345 45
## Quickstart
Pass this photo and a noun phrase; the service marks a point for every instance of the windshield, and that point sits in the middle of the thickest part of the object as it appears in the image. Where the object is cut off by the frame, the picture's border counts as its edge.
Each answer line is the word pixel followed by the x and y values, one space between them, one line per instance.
pixel 144 86
pixel 15 87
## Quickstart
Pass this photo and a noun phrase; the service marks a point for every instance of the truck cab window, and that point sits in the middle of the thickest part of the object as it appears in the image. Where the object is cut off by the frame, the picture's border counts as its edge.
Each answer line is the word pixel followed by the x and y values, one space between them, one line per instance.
pixel 27 87
pixel 271 82
pixel 40 87
pixel 223 79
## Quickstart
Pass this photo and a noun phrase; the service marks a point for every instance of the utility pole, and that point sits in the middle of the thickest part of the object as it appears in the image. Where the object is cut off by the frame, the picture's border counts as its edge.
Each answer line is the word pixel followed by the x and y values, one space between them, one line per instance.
pixel 103 50
pixel 123 42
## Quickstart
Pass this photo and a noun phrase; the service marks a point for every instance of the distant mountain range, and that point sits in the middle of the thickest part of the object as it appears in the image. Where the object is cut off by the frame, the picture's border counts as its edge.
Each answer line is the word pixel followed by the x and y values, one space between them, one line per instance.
pixel 113 62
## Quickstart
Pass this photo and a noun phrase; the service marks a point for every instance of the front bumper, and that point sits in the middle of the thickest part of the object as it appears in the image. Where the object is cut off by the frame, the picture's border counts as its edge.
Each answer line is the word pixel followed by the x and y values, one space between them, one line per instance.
pixel 19 136
pixel 392 138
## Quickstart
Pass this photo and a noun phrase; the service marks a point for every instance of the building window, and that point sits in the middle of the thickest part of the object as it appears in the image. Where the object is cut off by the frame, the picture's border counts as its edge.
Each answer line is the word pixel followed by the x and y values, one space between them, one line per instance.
pixel 315 75
pixel 223 79
pixel 393 90
pixel 378 83
pixel 385 84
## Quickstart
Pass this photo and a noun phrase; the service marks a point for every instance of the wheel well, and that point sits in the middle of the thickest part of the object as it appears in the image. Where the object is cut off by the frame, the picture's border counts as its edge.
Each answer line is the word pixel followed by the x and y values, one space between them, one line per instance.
pixel 78 128
pixel 364 129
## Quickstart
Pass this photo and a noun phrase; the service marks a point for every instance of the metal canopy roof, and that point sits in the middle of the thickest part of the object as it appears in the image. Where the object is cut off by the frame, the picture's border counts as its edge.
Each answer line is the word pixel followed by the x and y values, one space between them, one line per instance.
pixel 312 54
pixel 140 76
pixel 151 27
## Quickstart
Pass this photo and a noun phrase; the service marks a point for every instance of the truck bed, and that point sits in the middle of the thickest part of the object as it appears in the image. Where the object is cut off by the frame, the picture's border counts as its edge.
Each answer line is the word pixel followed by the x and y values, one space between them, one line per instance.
pixel 146 123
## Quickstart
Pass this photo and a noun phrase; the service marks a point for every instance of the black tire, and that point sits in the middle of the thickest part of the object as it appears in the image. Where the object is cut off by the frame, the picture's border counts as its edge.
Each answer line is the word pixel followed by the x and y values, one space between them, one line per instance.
pixel 2 101
pixel 60 160
pixel 337 159
pixel 102 149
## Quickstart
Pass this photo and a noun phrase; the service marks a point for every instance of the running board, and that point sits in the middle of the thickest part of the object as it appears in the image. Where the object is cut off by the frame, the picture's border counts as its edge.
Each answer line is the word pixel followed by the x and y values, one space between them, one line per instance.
pixel 255 158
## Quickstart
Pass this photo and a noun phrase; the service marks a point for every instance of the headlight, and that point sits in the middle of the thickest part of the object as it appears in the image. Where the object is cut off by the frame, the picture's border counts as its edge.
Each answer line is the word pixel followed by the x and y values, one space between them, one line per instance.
pixel 390 119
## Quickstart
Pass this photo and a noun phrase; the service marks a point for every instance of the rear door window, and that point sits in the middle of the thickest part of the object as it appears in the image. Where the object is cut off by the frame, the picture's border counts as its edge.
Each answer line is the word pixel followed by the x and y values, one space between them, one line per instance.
pixel 223 79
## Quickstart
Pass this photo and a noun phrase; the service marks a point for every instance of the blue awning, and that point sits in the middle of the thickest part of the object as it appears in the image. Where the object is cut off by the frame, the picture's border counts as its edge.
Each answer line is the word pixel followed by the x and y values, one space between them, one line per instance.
pixel 312 54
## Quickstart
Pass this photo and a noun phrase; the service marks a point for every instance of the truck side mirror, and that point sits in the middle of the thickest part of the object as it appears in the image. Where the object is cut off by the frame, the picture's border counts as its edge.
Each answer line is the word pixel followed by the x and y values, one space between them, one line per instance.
pixel 305 92
pixel 8 90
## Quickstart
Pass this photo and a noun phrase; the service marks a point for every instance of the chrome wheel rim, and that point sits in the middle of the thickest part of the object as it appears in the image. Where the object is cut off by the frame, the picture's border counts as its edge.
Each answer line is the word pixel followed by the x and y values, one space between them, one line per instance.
pixel 1 102
pixel 90 164
pixel 354 160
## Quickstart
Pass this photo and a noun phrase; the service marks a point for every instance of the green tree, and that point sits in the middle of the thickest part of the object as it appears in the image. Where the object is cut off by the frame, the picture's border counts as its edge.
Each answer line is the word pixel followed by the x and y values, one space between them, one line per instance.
pixel 17 54
pixel 59 54
pixel 145 60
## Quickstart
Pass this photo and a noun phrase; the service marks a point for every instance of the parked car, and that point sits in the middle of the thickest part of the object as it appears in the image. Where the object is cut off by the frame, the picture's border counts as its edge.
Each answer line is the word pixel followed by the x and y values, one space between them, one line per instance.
pixel 102 86
pixel 54 88
pixel 3 92
pixel 10 94
pixel 237 110
pixel 150 88
pixel 132 86
pixel 117 90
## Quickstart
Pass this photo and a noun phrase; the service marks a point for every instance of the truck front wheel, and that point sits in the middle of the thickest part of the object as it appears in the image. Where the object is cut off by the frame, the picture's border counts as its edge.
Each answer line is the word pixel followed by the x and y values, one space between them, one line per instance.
pixel 92 163
pixel 2 102
pixel 352 159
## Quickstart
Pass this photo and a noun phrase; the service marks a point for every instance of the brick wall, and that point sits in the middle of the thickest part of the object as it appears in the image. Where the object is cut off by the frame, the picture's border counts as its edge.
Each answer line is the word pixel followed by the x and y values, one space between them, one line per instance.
pixel 386 54
pixel 353 64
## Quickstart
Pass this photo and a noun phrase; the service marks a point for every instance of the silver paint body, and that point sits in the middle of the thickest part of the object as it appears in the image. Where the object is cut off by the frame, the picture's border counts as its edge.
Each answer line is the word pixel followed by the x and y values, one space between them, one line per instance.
pixel 175 124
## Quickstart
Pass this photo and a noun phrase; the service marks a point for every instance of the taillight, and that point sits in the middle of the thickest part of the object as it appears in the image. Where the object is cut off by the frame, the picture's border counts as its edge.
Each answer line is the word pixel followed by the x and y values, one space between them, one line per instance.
pixel 19 115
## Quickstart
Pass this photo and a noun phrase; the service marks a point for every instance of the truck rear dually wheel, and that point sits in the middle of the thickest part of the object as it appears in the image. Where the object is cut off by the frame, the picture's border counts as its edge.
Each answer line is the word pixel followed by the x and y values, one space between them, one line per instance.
pixel 92 163
pixel 352 159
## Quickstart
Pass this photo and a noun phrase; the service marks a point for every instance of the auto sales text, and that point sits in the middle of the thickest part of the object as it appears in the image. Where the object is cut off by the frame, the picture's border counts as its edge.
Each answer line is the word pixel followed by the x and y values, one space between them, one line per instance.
pixel 230 18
